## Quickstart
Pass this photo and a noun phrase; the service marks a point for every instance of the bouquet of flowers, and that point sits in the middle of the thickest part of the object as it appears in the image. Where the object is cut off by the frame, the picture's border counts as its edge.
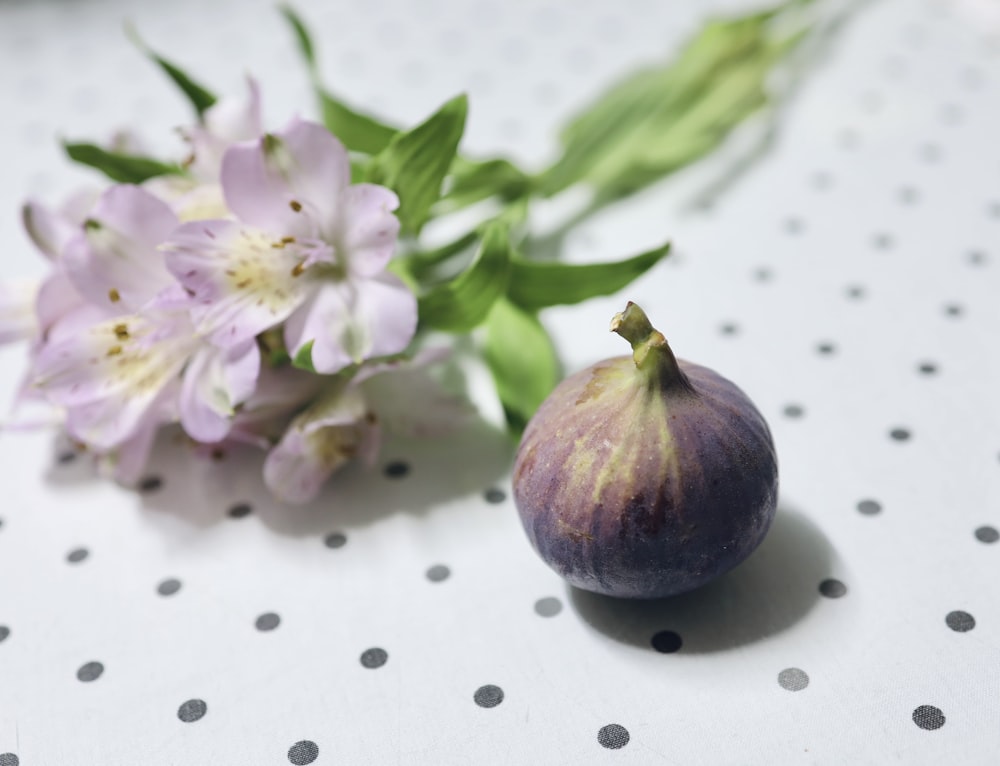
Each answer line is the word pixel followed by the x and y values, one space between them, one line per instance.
pixel 273 288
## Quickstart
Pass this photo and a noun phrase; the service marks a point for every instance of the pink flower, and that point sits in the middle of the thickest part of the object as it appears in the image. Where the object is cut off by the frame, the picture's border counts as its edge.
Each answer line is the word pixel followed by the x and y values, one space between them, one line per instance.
pixel 347 420
pixel 309 249
pixel 138 358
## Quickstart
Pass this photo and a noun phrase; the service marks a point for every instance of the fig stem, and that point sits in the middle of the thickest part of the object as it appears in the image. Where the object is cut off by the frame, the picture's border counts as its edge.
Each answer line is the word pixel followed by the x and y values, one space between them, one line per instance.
pixel 650 350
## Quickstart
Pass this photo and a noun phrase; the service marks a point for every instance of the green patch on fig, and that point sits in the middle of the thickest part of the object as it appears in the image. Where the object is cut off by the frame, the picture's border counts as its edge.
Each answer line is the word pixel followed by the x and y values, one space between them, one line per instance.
pixel 645 476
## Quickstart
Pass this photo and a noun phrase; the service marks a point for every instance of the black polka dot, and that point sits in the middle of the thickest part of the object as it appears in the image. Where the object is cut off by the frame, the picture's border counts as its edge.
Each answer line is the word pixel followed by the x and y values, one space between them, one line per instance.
pixel 900 434
pixel 9 759
pixel 192 710
pixel 832 588
pixel 793 411
pixel 90 671
pixel 488 696
pixel 4 632
pixel 397 469
pixel 869 507
pixel 793 679
pixel 267 621
pixel 666 641
pixel 150 484
pixel 239 510
pixel 928 717
pixel 826 348
pixel 927 368
pixel 438 572
pixel 549 606
pixel 168 587
pixel 303 752
pixel 960 622
pixel 613 736
pixel 494 495
pixel 335 540
pixel 77 555
pixel 374 657
pixel 987 534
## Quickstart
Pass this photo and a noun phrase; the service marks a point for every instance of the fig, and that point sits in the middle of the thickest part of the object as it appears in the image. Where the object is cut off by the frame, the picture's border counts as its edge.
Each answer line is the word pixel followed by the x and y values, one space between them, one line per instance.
pixel 645 476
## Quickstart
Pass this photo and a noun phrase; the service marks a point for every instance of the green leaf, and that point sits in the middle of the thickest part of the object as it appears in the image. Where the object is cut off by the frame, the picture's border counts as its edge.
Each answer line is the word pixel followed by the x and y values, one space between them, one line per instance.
pixel 415 163
pixel 462 303
pixel 535 284
pixel 304 358
pixel 358 131
pixel 417 266
pixel 200 97
pixel 522 360
pixel 663 118
pixel 472 181
pixel 123 168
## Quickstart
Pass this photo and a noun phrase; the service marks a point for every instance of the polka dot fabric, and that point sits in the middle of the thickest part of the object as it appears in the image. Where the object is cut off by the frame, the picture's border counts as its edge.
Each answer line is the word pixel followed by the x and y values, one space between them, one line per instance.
pixel 847 282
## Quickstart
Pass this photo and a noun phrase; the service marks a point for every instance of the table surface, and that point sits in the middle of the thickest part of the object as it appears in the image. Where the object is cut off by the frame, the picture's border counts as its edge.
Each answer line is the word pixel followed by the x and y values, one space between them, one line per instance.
pixel 848 282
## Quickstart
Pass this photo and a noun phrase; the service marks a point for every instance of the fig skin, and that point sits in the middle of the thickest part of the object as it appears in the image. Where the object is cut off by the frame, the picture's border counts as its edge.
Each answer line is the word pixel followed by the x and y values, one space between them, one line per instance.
pixel 645 476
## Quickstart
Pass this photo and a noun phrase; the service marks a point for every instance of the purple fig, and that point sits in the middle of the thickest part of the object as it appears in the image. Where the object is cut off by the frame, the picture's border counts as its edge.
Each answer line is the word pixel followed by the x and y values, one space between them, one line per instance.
pixel 645 476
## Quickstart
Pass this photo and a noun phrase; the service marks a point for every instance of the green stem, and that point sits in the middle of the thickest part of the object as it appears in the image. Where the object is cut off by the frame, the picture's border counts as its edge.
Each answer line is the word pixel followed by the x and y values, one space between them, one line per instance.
pixel 650 350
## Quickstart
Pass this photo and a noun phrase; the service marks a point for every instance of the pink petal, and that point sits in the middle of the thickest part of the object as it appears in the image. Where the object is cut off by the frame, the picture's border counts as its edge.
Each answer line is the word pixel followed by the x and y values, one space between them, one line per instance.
pixel 241 281
pixel 110 375
pixel 318 442
pixel 214 382
pixel 365 229
pixel 351 322
pixel 48 230
pixel 287 183
pixel 114 261
pixel 56 299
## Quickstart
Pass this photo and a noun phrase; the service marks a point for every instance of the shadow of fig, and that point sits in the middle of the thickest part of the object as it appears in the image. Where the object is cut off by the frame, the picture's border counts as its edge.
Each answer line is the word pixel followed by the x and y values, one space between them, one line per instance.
pixel 771 591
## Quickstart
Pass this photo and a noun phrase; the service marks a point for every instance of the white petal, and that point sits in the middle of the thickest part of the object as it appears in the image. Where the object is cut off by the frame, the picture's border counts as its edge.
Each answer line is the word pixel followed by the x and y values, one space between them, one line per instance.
pixel 17 310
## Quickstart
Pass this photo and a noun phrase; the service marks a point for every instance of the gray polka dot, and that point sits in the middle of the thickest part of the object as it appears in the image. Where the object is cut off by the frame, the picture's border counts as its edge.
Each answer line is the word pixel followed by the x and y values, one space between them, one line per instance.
pixel 192 710
pixel 882 241
pixel 729 328
pixel 303 752
pixel 832 588
pixel 438 572
pixel 494 495
pixel 168 587
pixel 77 555
pixel 927 368
pixel 826 348
pixel 549 606
pixel 960 622
pixel 374 657
pixel 869 507
pixel 150 484
pixel 793 679
pixel 4 632
pixel 9 759
pixel 335 540
pixel 91 671
pixel 397 469
pixel 900 434
pixel 613 736
pixel 65 458
pixel 928 717
pixel 794 411
pixel 855 292
pixel 954 310
pixel 987 534
pixel 268 621
pixel 239 511
pixel 488 696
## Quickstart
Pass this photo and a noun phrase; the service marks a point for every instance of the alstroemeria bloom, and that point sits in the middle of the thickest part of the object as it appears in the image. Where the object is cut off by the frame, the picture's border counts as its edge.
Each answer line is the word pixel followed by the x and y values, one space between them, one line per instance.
pixel 310 249
pixel 347 420
pixel 198 194
pixel 118 374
